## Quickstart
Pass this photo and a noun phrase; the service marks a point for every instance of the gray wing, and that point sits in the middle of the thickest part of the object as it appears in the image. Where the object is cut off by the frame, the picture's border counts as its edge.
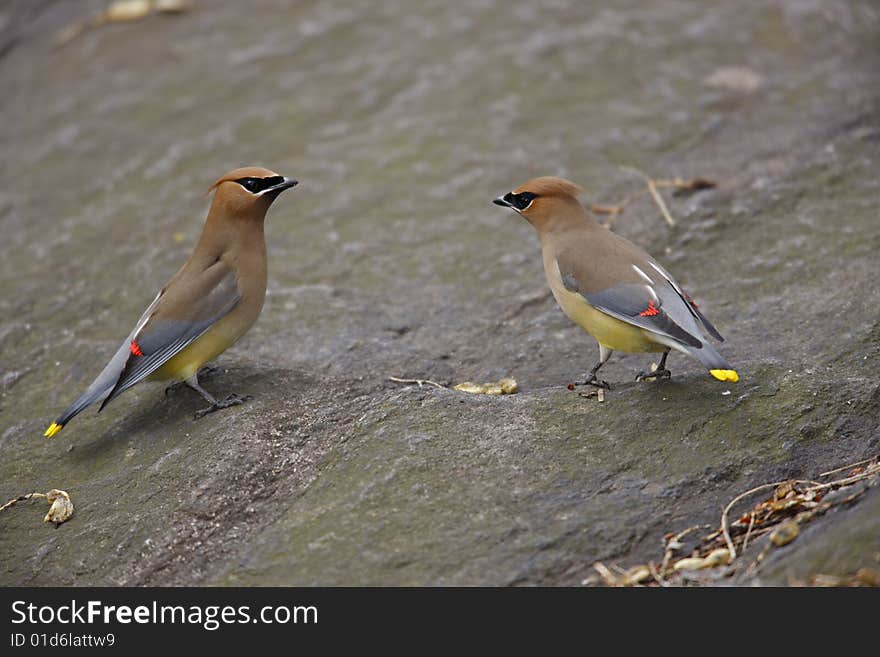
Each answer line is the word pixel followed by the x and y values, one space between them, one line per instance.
pixel 688 301
pixel 104 382
pixel 180 317
pixel 644 306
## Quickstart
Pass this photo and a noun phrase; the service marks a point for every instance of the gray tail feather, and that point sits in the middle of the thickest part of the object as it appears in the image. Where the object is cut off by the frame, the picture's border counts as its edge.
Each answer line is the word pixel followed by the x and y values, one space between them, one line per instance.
pixel 709 357
pixel 100 387
pixel 90 396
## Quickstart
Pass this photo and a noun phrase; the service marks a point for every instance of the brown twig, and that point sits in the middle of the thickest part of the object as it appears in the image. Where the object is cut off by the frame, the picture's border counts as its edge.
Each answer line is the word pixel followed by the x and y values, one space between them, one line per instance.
pixel 793 500
pixel 749 530
pixel 652 187
pixel 848 467
pixel 607 576
pixel 724 524
pixel 657 576
pixel 22 498
pixel 419 382
pixel 678 184
pixel 617 208
pixel 674 543
pixel 846 481
pixel 682 185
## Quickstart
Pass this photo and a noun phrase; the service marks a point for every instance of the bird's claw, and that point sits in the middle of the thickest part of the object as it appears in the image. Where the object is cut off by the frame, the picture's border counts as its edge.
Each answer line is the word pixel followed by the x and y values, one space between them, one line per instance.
pixel 592 381
pixel 655 375
pixel 231 400
pixel 235 400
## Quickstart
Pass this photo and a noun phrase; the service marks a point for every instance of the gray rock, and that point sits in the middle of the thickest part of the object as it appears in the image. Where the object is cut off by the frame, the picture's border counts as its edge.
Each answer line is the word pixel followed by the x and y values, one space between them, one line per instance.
pixel 402 123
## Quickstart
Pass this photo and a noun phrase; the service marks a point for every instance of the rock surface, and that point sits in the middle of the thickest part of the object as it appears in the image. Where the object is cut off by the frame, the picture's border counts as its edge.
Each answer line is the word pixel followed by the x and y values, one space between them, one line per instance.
pixel 402 123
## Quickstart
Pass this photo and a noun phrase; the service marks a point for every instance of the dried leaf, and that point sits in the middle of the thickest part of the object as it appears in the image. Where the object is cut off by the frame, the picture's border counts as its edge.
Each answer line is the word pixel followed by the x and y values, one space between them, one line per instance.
pixel 717 557
pixel 785 533
pixel 636 575
pixel 122 11
pixel 735 78
pixel 172 6
pixel 606 209
pixel 505 386
pixel 126 10
pixel 696 183
pixel 783 490
pixel 688 563
pixel 608 577
pixel 685 187
pixel 61 509
pixel 868 577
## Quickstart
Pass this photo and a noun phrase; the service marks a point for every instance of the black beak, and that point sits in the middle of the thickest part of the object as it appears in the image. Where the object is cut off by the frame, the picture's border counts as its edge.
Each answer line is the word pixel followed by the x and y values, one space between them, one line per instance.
pixel 502 202
pixel 274 190
pixel 287 183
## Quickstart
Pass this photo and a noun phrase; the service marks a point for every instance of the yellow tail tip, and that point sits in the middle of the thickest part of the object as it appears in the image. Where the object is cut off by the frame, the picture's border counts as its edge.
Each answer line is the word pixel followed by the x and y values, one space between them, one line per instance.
pixel 725 375
pixel 53 429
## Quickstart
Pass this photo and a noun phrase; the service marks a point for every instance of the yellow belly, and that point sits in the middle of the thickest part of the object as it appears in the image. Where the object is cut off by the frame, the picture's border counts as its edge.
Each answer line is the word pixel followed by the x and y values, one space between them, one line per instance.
pixel 207 347
pixel 608 331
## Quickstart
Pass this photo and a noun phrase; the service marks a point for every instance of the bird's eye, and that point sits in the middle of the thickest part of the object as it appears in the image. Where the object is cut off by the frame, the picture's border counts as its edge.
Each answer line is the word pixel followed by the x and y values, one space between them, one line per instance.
pixel 524 199
pixel 250 184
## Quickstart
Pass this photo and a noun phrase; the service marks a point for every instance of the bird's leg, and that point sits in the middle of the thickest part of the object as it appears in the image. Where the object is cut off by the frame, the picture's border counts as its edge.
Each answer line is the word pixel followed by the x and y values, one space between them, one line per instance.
pixel 592 379
pixel 207 372
pixel 204 373
pixel 174 387
pixel 660 373
pixel 215 404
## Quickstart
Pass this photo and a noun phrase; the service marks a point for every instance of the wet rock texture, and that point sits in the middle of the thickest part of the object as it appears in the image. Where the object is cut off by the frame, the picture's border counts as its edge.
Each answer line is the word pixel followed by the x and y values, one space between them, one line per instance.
pixel 402 121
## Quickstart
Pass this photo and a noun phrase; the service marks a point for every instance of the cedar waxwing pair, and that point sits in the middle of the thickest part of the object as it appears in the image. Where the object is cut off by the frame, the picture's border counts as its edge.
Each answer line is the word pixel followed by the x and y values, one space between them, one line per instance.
pixel 604 283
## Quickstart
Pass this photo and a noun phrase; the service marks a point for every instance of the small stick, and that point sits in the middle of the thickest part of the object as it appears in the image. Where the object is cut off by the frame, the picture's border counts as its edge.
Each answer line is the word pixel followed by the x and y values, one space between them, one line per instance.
pixel 605 574
pixel 661 204
pixel 749 530
pixel 21 498
pixel 667 556
pixel 652 187
pixel 724 525
pixel 682 184
pixel 419 382
pixel 609 209
pixel 846 481
pixel 847 467
pixel 656 575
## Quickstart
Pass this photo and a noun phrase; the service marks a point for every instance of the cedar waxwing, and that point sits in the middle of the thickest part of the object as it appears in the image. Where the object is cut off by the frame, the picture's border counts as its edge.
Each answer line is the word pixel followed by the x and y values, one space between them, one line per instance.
pixel 206 306
pixel 610 287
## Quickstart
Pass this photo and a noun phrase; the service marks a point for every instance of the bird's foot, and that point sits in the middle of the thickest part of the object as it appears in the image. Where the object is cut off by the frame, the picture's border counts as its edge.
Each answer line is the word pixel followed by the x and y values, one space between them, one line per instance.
pixel 654 375
pixel 231 400
pixel 592 381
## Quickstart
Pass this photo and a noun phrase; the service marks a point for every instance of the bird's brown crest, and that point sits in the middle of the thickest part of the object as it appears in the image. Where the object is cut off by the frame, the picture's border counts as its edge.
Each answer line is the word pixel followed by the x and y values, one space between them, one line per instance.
pixel 550 186
pixel 241 172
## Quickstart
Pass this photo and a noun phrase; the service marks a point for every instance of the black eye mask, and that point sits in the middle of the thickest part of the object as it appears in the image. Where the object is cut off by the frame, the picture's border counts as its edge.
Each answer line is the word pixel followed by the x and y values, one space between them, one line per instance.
pixel 520 201
pixel 257 185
